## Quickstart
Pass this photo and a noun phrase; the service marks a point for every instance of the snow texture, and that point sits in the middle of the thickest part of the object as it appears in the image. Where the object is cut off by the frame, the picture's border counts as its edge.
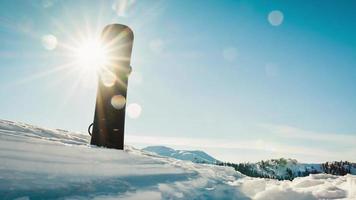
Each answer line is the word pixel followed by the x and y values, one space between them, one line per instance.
pixel 38 163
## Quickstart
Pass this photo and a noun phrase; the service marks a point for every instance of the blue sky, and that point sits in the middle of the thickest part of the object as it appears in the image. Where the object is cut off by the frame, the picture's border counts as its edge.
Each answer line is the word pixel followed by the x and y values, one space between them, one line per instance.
pixel 220 76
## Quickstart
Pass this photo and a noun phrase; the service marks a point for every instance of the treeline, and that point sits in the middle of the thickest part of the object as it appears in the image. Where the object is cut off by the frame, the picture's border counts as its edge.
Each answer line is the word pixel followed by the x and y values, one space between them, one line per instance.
pixel 337 168
pixel 265 169
pixel 247 169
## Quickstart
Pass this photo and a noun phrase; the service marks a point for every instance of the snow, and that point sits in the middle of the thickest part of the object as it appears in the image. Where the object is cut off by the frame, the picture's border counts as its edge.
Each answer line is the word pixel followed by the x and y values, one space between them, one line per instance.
pixel 288 169
pixel 195 156
pixel 278 167
pixel 39 163
pixel 315 186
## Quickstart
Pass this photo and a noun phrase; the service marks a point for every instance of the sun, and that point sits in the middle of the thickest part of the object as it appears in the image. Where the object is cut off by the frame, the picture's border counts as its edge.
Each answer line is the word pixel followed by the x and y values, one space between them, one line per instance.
pixel 91 55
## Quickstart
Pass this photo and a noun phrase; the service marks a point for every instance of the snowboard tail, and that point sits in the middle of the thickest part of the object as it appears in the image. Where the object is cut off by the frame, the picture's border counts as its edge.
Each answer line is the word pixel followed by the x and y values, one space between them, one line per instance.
pixel 109 118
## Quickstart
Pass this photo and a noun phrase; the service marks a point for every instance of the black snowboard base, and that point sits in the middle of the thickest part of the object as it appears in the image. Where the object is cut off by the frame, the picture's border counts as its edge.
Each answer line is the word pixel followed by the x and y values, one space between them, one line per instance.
pixel 109 118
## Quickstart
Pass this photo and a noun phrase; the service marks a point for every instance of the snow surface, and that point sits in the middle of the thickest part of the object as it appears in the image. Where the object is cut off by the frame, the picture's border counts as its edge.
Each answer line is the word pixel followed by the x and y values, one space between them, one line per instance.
pixel 38 163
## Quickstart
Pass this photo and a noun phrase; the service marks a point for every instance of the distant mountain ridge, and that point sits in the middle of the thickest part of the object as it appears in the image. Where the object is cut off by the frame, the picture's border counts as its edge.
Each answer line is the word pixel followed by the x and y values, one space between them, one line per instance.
pixel 282 168
pixel 288 169
pixel 194 156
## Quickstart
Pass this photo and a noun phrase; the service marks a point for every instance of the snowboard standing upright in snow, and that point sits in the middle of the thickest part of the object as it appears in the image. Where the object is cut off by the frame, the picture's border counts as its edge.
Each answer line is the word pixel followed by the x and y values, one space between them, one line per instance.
pixel 109 118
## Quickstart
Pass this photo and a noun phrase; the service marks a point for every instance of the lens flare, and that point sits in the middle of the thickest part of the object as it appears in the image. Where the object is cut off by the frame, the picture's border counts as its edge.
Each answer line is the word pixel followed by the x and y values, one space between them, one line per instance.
pixel 91 55
pixel 107 77
pixel 275 18
pixel 134 110
pixel 118 102
pixel 49 42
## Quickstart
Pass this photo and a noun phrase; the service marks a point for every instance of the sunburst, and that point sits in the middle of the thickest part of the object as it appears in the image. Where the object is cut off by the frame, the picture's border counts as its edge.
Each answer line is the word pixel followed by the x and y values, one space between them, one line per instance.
pixel 74 53
pixel 91 55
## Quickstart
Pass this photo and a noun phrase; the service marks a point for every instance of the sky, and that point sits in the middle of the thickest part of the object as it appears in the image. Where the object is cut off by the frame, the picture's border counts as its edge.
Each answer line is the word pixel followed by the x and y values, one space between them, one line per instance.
pixel 241 80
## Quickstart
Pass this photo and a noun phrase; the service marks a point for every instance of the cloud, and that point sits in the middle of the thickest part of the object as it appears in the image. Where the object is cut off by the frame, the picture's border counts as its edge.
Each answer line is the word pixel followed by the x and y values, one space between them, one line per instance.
pixel 236 147
pixel 44 3
pixel 297 133
pixel 148 195
pixel 122 7
pixel 48 3
pixel 341 147
pixel 230 54
pixel 156 45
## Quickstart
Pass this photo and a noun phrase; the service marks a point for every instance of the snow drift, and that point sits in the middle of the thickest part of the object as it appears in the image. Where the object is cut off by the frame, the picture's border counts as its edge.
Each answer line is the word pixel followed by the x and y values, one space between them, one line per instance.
pixel 38 163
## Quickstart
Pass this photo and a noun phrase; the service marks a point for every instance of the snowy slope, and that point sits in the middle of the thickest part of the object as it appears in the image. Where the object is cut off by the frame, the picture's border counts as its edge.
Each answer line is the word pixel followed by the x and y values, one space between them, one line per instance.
pixel 194 156
pixel 37 163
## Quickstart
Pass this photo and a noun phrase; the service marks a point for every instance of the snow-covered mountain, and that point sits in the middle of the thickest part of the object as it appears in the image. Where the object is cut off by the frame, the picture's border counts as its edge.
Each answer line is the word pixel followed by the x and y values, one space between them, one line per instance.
pixel 282 169
pixel 39 163
pixel 288 169
pixel 194 156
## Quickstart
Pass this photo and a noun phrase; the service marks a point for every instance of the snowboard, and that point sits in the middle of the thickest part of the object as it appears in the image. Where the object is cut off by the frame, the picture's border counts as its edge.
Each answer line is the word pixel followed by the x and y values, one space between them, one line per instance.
pixel 109 118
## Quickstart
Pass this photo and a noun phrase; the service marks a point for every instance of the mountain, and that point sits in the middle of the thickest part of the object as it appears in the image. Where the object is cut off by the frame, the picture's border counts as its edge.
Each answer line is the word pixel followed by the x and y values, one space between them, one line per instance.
pixel 281 169
pixel 288 169
pixel 194 156
pixel 41 163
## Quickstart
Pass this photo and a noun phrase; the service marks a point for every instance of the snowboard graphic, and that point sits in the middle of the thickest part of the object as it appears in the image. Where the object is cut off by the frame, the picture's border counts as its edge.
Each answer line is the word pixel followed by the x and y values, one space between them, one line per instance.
pixel 109 118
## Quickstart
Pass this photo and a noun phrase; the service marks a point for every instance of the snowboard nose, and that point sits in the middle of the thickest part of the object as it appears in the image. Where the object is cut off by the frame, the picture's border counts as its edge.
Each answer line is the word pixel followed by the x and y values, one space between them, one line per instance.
pixel 118 39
